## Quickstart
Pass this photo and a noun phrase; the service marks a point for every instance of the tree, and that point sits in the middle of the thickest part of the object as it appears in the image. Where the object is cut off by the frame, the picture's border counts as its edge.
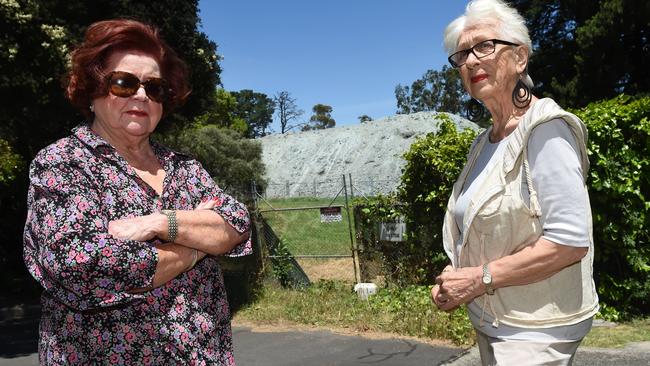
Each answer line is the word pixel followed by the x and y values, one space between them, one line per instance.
pixel 232 160
pixel 364 118
pixel 223 113
pixel 588 50
pixel 321 119
pixel 256 109
pixel 288 111
pixel 440 91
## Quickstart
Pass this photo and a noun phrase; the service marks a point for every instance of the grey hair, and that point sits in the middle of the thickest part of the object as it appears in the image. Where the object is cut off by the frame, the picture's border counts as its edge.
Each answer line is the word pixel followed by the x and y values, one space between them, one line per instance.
pixel 509 24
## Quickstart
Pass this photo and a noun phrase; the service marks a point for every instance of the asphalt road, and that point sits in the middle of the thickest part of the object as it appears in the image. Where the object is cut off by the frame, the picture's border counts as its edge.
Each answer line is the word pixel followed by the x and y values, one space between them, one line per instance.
pixel 19 334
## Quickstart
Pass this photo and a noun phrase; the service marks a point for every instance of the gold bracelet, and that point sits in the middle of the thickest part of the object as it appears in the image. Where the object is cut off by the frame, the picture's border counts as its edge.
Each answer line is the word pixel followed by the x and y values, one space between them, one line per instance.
pixel 195 258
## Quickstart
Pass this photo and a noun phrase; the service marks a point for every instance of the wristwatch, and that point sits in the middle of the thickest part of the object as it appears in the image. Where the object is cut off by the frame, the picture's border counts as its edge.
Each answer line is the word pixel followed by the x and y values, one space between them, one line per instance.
pixel 487 279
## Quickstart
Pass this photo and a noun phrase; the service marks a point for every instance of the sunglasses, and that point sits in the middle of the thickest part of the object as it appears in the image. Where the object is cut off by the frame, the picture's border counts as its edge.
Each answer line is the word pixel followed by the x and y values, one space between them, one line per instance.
pixel 124 84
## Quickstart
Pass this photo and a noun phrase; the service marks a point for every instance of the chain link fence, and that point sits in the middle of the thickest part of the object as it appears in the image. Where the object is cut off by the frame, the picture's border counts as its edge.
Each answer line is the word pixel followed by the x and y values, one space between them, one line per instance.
pixel 324 188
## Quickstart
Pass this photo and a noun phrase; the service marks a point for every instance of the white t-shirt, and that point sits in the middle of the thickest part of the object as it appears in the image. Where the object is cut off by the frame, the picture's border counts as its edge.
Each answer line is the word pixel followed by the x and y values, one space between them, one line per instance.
pixel 554 162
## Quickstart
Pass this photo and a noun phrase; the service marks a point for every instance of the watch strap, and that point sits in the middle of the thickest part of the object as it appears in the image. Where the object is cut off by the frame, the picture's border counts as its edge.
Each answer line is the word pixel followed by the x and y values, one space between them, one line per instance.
pixel 487 279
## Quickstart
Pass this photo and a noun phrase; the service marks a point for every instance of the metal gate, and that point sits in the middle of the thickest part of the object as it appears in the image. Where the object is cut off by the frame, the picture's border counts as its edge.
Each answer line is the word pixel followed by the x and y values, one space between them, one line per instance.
pixel 310 238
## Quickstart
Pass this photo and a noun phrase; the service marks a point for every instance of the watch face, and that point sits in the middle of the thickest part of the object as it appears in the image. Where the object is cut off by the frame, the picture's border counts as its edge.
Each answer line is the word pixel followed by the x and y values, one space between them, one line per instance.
pixel 487 279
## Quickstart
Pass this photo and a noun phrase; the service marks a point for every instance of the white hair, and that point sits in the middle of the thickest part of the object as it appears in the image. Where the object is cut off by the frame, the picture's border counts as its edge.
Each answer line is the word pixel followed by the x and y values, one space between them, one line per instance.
pixel 509 24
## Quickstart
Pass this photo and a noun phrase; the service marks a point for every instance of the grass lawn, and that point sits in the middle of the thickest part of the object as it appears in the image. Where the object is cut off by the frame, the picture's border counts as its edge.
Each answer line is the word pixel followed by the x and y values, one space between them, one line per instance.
pixel 618 336
pixel 303 231
pixel 408 312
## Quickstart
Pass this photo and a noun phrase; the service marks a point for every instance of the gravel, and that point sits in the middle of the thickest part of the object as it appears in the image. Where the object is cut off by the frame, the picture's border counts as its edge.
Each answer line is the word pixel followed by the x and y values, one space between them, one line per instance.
pixel 312 163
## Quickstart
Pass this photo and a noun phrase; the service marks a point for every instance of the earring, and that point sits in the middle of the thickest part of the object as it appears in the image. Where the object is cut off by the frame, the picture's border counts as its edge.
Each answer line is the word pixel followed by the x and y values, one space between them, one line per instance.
pixel 92 108
pixel 474 110
pixel 521 95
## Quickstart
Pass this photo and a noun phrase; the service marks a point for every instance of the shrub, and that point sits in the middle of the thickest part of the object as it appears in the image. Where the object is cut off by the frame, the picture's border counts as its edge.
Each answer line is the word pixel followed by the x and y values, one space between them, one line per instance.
pixel 618 146
pixel 432 165
pixel 232 160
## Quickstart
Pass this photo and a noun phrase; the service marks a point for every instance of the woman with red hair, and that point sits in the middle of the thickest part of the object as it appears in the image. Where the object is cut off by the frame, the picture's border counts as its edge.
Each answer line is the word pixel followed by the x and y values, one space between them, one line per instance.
pixel 122 232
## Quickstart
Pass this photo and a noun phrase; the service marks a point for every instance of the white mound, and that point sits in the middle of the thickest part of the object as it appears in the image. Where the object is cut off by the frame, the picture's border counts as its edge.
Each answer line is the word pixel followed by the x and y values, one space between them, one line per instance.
pixel 312 163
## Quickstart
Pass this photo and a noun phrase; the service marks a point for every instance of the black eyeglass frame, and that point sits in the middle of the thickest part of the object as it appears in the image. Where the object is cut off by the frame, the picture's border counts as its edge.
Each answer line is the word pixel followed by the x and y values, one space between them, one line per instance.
pixel 471 49
pixel 129 91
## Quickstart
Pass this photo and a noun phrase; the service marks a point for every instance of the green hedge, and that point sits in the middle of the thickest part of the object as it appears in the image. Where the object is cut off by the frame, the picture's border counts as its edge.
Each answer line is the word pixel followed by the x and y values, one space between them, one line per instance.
pixel 619 189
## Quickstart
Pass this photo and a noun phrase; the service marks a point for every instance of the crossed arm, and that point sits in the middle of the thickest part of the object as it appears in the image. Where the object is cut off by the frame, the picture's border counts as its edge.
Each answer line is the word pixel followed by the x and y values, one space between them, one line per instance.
pixel 201 230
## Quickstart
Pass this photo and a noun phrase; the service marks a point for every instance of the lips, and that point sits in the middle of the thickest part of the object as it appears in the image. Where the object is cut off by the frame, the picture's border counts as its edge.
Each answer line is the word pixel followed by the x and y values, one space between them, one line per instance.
pixel 477 78
pixel 135 113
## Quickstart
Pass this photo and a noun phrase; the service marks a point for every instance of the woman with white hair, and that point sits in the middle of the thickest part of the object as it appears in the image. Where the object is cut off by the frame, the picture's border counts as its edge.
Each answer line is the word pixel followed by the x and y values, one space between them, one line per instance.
pixel 518 227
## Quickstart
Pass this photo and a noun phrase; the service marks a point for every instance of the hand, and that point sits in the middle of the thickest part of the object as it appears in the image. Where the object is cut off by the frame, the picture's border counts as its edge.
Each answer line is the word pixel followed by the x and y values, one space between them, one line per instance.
pixel 207 204
pixel 457 287
pixel 147 227
pixel 139 228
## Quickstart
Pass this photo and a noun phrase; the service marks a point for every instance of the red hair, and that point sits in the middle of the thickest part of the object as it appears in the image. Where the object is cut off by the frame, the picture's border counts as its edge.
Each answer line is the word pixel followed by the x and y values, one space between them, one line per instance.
pixel 86 79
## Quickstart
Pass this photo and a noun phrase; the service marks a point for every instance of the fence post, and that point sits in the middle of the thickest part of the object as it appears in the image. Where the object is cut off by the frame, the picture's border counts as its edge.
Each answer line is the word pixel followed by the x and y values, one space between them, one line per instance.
pixel 355 254
pixel 314 188
pixel 254 194
pixel 287 189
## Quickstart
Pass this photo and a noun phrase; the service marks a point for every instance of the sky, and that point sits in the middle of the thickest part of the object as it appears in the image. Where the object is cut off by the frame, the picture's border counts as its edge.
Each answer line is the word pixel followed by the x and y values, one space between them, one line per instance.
pixel 349 54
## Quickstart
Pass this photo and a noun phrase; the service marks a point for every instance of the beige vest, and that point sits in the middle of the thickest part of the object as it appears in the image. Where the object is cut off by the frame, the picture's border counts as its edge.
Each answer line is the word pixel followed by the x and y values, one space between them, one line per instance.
pixel 498 222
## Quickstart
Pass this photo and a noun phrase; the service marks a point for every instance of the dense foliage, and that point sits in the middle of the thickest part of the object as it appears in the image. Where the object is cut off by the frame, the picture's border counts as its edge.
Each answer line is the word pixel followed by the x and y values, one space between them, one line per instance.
pixel 588 50
pixel 10 164
pixel 619 189
pixel 223 112
pixel 232 161
pixel 256 109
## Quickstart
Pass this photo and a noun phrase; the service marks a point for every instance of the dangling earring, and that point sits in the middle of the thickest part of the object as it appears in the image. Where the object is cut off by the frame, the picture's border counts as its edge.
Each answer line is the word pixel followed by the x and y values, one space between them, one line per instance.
pixel 521 95
pixel 92 108
pixel 474 110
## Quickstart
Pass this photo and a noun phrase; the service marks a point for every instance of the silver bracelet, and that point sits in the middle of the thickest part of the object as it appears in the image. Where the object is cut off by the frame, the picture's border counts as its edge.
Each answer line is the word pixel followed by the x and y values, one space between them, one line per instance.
pixel 172 224
pixel 195 258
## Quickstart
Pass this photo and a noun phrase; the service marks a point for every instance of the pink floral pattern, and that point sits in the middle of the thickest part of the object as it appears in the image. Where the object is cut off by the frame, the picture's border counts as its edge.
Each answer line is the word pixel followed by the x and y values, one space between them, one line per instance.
pixel 78 185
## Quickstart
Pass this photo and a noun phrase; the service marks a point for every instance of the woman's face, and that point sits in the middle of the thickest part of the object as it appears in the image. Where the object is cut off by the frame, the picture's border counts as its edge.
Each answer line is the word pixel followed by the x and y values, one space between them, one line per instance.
pixel 492 76
pixel 136 115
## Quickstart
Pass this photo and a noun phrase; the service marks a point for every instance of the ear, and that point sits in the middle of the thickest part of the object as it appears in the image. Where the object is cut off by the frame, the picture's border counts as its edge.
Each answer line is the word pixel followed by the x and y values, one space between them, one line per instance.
pixel 521 58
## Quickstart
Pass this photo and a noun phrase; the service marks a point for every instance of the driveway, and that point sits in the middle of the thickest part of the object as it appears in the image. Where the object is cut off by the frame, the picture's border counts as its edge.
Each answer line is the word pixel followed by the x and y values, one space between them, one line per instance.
pixel 268 347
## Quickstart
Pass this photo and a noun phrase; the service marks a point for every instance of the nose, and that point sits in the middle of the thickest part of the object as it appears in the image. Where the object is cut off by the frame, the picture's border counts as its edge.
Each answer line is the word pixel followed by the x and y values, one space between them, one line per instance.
pixel 141 94
pixel 471 60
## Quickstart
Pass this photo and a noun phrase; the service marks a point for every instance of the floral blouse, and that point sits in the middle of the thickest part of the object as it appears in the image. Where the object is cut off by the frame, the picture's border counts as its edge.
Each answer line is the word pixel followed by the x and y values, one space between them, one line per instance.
pixel 78 185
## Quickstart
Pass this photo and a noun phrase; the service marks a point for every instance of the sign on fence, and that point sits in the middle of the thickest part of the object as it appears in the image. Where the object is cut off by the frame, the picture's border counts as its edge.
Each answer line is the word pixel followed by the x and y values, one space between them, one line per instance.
pixel 392 231
pixel 331 214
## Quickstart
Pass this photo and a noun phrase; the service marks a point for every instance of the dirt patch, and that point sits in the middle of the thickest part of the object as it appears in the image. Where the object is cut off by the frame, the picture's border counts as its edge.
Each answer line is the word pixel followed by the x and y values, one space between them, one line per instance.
pixel 329 268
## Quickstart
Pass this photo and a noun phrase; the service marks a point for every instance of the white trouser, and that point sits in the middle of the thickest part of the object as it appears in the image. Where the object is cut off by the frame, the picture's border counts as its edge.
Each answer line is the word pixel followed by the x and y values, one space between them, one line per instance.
pixel 497 352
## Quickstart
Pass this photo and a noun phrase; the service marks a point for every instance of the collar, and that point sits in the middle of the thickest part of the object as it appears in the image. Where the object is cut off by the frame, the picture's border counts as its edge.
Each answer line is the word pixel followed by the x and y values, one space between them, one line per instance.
pixel 90 138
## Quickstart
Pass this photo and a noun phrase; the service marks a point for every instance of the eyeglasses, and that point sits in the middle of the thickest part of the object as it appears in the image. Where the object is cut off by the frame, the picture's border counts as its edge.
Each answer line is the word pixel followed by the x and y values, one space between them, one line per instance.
pixel 479 50
pixel 124 84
